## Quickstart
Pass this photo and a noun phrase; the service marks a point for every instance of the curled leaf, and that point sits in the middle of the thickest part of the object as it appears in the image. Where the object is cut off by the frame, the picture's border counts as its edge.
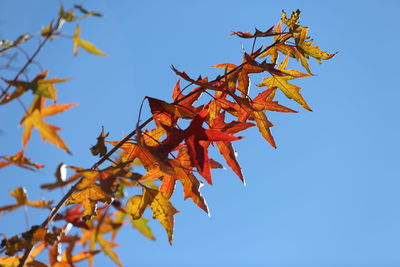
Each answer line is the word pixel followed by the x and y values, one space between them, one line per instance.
pixel 100 147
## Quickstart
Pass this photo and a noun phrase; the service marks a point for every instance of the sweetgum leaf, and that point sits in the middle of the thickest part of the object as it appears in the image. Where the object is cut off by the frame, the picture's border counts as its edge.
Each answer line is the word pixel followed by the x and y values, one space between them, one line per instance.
pixel 162 209
pixel 89 196
pixel 142 226
pixel 290 90
pixel 34 119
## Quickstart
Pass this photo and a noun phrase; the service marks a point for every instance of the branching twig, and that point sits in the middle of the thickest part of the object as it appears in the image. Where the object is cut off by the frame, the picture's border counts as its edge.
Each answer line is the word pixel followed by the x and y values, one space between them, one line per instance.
pixel 28 62
pixel 61 203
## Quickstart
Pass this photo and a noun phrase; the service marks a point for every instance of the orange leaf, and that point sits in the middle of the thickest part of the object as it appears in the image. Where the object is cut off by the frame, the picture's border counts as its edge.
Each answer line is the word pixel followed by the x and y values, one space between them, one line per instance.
pixel 19 160
pixel 34 119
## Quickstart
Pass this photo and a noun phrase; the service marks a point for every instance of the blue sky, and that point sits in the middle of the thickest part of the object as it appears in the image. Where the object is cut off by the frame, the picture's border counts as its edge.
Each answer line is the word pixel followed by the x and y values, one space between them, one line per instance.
pixel 327 196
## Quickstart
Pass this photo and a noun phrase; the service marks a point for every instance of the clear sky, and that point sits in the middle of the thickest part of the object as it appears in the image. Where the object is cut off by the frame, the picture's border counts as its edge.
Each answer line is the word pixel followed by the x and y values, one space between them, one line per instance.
pixel 327 196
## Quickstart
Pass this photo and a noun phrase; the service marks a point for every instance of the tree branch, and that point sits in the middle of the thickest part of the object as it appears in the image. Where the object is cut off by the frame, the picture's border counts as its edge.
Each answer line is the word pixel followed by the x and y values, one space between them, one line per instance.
pixel 61 203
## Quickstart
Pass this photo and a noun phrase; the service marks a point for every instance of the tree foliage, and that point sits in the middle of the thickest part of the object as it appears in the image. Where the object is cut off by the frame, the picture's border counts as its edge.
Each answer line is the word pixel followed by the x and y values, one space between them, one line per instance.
pixel 172 145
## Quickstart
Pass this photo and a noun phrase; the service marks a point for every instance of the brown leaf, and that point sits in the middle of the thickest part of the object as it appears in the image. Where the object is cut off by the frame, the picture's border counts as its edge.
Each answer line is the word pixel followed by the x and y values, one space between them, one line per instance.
pixel 100 147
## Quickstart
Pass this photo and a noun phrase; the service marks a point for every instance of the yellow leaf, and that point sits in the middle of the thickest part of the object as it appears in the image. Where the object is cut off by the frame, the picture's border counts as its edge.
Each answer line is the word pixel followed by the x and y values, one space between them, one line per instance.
pixel 136 205
pixel 83 255
pixel 290 90
pixel 263 126
pixel 303 48
pixel 88 46
pixel 46 87
pixel 89 197
pixel 39 86
pixel 21 197
pixel 162 208
pixel 163 211
pixel 106 246
pixel 9 262
pixel 142 227
pixel 293 21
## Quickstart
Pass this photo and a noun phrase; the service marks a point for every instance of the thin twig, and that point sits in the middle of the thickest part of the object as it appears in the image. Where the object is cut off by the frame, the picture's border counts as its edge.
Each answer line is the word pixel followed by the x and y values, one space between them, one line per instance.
pixel 28 62
pixel 254 43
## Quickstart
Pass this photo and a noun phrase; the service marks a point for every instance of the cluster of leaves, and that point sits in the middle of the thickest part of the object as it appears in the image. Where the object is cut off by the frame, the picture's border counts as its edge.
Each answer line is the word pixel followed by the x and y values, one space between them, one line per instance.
pixel 168 152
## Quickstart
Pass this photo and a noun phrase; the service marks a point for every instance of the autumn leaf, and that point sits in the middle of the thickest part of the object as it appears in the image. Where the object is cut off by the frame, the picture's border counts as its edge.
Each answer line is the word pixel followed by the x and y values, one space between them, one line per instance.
pixel 60 175
pixel 29 238
pixel 203 83
pixel 256 34
pixel 196 138
pixel 132 151
pixel 34 119
pixel 264 101
pixel 185 101
pixel 89 47
pixel 249 66
pixel 39 86
pixel 89 196
pixel 290 90
pixel 279 45
pixel 21 197
pixel 142 226
pixel 14 261
pixel 182 171
pixel 100 148
pixel 195 135
pixel 191 186
pixel 225 147
pixel 136 205
pixel 162 209
pixel 68 261
pixel 106 247
pixel 69 16
pixel 244 110
pixel 9 261
pixel 6 45
pixel 303 43
pixel 151 138
pixel 95 235
pixel 86 12
pixel 306 50
pixel 73 216
pixel 167 114
pixel 20 160
pixel 61 178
